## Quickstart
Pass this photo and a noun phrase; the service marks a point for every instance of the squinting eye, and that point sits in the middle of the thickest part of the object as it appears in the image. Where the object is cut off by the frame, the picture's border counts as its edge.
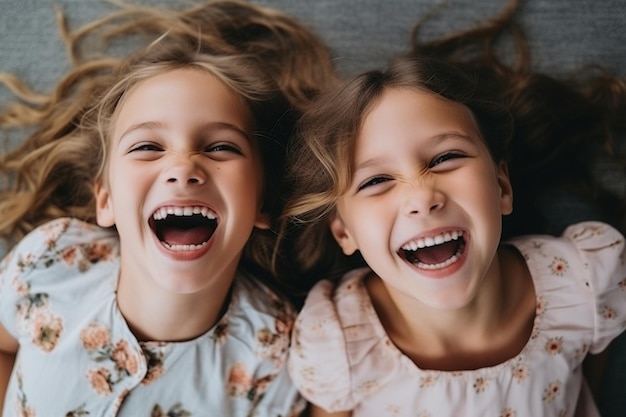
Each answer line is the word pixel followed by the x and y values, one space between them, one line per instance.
pixel 223 147
pixel 143 147
pixel 439 159
pixel 372 182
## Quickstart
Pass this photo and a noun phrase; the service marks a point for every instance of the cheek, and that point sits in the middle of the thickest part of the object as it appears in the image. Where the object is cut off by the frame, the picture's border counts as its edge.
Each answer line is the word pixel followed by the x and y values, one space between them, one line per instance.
pixel 244 186
pixel 481 188
pixel 255 183
pixel 370 225
pixel 131 187
pixel 485 198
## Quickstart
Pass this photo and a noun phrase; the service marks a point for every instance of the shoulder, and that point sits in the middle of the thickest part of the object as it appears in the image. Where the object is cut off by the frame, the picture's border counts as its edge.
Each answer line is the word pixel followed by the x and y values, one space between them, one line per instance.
pixel 601 248
pixel 338 344
pixel 56 252
pixel 580 277
pixel 603 255
pixel 596 239
pixel 65 241
pixel 257 323
pixel 61 260
pixel 595 248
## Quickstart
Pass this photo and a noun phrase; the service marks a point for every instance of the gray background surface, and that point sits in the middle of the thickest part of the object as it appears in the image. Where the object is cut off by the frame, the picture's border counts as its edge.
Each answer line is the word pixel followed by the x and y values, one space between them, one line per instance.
pixel 565 34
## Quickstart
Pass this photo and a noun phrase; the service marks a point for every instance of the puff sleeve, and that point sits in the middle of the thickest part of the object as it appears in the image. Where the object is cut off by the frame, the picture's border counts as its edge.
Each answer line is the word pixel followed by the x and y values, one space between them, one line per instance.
pixel 601 248
pixel 44 256
pixel 340 353
pixel 317 361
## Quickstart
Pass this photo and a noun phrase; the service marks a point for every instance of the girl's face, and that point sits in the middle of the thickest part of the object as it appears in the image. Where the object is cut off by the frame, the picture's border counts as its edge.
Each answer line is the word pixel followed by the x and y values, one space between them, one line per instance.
pixel 426 200
pixel 184 181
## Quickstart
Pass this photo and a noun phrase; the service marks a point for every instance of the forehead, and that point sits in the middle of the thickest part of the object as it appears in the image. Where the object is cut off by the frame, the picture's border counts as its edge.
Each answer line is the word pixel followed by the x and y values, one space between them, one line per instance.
pixel 395 104
pixel 413 113
pixel 183 94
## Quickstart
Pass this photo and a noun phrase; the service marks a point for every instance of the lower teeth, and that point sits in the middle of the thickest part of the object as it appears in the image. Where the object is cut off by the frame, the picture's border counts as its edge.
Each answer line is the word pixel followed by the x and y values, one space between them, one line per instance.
pixel 448 262
pixel 183 248
pixel 445 263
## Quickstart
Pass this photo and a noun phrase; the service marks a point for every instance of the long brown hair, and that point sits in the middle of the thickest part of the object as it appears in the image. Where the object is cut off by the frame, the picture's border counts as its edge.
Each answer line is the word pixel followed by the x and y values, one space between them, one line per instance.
pixel 41 187
pixel 564 126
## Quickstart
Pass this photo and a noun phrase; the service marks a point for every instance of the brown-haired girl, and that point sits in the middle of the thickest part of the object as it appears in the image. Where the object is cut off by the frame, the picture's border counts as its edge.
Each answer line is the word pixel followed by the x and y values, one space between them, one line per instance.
pixel 402 178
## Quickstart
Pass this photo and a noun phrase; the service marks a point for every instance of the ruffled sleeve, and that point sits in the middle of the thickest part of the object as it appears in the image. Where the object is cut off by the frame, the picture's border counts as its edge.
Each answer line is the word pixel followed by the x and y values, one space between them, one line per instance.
pixel 25 257
pixel 340 352
pixel 604 261
pixel 44 255
pixel 317 362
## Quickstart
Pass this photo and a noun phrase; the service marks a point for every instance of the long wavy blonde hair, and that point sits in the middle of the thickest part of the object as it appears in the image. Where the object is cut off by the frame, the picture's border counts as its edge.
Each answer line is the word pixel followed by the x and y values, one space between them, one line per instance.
pixel 273 62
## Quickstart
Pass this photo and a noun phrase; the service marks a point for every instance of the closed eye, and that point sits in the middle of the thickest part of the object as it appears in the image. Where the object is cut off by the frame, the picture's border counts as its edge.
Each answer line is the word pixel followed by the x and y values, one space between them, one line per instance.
pixel 448 156
pixel 372 182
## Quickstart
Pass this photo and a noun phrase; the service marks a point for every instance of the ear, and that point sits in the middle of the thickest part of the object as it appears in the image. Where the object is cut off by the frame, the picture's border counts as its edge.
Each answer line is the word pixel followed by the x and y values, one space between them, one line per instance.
pixel 104 207
pixel 262 221
pixel 506 189
pixel 342 236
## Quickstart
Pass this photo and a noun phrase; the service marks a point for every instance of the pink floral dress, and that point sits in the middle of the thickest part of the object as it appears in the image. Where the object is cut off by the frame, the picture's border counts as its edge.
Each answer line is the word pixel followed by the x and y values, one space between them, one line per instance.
pixel 77 356
pixel 342 359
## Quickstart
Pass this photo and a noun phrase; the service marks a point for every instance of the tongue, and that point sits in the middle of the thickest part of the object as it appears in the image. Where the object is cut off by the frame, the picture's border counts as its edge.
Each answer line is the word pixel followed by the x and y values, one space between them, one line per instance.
pixel 438 253
pixel 179 236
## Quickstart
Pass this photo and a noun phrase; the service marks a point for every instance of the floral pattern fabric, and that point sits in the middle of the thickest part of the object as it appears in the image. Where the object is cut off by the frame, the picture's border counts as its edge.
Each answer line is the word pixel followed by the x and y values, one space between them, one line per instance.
pixel 341 358
pixel 77 356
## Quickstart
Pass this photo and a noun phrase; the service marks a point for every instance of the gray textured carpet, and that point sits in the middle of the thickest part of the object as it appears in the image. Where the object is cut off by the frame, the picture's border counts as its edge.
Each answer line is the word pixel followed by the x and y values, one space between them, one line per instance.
pixel 363 33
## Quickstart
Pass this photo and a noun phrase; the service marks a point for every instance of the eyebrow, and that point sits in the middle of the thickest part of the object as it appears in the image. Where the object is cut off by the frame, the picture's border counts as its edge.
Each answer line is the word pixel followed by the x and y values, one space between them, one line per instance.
pixel 140 126
pixel 437 139
pixel 209 126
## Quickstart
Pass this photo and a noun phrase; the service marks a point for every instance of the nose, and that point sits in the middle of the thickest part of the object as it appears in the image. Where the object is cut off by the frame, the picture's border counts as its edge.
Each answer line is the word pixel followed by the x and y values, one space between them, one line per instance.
pixel 423 198
pixel 183 170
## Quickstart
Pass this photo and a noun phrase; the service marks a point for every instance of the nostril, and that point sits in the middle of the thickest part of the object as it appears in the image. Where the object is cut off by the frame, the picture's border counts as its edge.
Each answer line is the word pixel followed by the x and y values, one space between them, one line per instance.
pixel 189 181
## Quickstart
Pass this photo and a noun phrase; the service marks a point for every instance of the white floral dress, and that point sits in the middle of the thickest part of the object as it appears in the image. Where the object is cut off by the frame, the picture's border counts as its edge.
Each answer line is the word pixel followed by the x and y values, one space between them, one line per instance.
pixel 77 356
pixel 342 359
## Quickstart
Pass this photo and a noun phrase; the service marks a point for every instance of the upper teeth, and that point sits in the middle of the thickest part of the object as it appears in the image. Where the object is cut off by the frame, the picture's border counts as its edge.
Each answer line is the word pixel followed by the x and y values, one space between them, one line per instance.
pixel 163 212
pixel 425 242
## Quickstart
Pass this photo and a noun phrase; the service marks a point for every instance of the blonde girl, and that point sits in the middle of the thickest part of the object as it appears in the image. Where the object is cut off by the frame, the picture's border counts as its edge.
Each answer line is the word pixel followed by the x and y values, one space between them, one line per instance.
pixel 176 155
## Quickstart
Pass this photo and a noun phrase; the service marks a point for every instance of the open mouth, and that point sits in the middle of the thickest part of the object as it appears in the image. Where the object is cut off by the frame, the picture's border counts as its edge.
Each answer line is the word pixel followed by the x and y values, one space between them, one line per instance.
pixel 434 252
pixel 183 228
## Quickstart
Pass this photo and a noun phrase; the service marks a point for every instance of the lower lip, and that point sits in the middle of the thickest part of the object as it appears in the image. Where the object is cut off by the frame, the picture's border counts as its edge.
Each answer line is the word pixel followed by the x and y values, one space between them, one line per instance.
pixel 188 255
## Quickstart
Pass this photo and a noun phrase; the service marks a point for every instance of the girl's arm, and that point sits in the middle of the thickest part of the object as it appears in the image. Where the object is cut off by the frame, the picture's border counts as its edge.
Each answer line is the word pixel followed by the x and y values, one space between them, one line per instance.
pixel 315 411
pixel 8 349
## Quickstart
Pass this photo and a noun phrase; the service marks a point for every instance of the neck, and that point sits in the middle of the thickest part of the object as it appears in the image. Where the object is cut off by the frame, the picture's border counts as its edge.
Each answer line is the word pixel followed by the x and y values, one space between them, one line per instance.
pixel 159 315
pixel 492 328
